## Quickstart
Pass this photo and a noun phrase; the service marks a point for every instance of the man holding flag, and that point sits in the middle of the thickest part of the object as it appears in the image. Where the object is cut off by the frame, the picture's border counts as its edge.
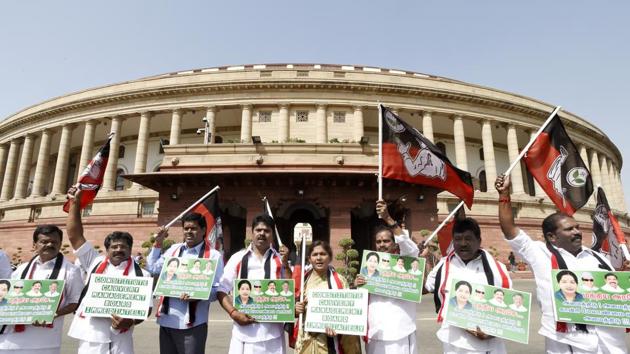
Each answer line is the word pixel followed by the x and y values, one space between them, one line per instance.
pixel 562 249
pixel 184 322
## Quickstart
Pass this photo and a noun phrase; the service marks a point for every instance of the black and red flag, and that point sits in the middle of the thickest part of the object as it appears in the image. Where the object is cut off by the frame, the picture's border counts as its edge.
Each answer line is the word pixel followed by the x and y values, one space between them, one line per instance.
pixel 91 178
pixel 607 235
pixel 554 161
pixel 209 209
pixel 409 156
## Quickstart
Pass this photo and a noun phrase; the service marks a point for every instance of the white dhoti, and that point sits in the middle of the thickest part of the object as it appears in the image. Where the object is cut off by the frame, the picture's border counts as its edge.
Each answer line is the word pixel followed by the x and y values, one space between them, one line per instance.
pixel 405 345
pixel 115 347
pixel 272 346
pixel 451 349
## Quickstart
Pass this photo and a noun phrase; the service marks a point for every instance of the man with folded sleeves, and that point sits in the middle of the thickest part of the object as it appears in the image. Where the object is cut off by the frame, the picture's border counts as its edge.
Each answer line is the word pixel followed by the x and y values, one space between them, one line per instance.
pixel 100 335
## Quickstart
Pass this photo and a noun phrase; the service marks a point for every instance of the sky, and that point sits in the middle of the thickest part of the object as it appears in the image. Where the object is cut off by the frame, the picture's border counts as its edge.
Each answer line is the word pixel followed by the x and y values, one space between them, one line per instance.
pixel 571 53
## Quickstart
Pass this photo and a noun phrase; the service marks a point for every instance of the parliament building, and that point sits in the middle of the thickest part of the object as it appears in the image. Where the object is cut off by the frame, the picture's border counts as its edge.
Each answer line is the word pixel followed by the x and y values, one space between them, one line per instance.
pixel 303 135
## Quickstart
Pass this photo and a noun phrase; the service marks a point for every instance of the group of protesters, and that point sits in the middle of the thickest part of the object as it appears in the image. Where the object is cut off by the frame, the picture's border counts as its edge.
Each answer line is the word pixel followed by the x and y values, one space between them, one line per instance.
pixel 392 323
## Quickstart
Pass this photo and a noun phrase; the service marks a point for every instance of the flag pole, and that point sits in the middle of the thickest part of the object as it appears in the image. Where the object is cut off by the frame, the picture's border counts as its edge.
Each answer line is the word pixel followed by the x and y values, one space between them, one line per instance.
pixel 274 224
pixel 444 222
pixel 303 260
pixel 531 141
pixel 380 151
pixel 170 223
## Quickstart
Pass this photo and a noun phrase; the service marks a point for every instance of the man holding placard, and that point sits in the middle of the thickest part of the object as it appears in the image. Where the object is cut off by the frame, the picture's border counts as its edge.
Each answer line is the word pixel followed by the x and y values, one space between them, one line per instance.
pixel 258 261
pixel 562 249
pixel 184 321
pixel 49 263
pixel 391 322
pixel 466 261
pixel 102 334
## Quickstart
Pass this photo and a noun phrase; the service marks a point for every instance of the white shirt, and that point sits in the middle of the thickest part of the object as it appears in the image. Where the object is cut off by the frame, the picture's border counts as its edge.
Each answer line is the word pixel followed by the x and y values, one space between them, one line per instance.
pixel 474 273
pixel 42 337
pixel 536 254
pixel 98 329
pixel 610 289
pixel 5 266
pixel 255 332
pixel 392 319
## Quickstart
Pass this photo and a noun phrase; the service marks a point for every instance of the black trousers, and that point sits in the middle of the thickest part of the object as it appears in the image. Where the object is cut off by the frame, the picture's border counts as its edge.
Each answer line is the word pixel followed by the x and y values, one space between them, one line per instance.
pixel 183 341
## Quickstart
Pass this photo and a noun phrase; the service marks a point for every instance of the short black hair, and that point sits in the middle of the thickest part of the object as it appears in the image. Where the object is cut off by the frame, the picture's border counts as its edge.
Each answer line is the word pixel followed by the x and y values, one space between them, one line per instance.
pixel 566 272
pixel 48 230
pixel 265 219
pixel 244 281
pixel 609 274
pixel 119 236
pixel 196 217
pixel 197 261
pixel 517 295
pixel 499 291
pixel 463 225
pixel 323 244
pixel 380 228
pixel 36 282
pixel 549 224
pixel 463 282
pixel 370 254
pixel 172 260
pixel 6 282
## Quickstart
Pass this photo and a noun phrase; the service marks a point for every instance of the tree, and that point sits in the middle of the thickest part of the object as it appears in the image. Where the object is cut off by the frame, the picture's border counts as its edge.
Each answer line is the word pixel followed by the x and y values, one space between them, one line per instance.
pixel 349 257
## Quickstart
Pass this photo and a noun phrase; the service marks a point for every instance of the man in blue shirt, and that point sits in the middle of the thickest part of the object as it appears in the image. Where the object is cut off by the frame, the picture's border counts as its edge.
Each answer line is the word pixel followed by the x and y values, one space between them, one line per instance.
pixel 183 321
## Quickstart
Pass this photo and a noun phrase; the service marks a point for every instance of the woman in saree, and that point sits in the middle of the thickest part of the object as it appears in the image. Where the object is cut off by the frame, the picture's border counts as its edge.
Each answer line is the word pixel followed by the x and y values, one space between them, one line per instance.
pixel 322 276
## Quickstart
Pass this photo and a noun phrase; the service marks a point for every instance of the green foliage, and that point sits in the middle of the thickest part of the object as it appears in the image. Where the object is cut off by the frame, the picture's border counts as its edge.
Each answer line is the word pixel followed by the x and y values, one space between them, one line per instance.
pixel 296 140
pixel 349 258
pixel 334 141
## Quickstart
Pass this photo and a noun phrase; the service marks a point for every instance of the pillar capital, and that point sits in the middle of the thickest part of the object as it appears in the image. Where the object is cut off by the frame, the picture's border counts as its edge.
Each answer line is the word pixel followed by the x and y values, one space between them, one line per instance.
pixel 247 106
pixel 357 108
pixel 284 105
pixel 321 106
pixel 211 109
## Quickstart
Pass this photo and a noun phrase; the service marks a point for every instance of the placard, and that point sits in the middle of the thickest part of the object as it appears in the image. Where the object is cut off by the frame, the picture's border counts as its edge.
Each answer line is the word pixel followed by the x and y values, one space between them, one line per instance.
pixel 26 301
pixel 127 297
pixel 265 300
pixel 394 276
pixel 192 276
pixel 344 311
pixel 497 311
pixel 591 297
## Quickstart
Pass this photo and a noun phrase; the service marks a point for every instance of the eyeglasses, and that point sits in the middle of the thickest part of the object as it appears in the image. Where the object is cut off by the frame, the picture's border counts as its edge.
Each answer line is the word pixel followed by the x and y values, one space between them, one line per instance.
pixel 385 261
pixel 587 279
pixel 18 287
pixel 479 292
pixel 257 286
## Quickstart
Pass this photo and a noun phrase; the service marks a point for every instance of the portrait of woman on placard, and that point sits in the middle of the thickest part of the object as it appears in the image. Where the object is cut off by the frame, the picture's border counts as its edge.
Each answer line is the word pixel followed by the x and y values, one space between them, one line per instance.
pixel 244 288
pixel 171 270
pixel 462 294
pixel 371 264
pixel 568 284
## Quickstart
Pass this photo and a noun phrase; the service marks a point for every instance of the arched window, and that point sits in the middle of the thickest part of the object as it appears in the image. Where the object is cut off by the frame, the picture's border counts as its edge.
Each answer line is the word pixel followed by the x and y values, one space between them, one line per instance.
pixel 440 145
pixel 483 183
pixel 120 181
pixel 481 154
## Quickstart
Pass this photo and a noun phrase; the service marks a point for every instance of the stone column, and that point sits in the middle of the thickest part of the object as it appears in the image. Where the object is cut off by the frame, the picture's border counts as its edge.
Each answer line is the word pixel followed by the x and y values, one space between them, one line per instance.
pixel 603 167
pixel 538 191
pixel 283 125
pixel 61 169
pixel 176 127
pixel 9 174
pixel 246 124
pixel 142 147
pixel 595 171
pixel 622 197
pixel 43 159
pixel 516 176
pixel 358 128
pixel 612 184
pixel 87 149
pixel 322 125
pixel 489 160
pixel 460 143
pixel 25 167
pixel 4 150
pixel 427 125
pixel 109 182
pixel 212 125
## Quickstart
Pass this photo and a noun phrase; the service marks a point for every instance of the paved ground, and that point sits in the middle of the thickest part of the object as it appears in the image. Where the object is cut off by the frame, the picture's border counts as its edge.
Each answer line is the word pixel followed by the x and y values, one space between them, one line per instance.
pixel 219 330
